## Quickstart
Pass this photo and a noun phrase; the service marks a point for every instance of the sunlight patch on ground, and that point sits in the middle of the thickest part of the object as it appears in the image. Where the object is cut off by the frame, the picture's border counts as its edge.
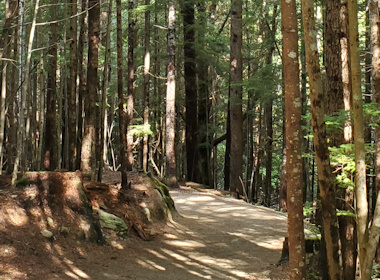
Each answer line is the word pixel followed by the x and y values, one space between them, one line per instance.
pixel 268 243
pixel 75 270
pixel 186 244
pixel 17 216
pixel 117 245
pixel 157 254
pixel 150 265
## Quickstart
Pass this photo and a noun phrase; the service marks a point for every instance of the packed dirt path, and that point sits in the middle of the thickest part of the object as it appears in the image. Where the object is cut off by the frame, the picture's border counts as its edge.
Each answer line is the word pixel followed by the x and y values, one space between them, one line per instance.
pixel 212 237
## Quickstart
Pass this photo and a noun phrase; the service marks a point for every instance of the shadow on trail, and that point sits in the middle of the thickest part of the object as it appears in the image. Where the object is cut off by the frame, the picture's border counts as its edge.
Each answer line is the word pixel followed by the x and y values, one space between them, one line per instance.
pixel 213 238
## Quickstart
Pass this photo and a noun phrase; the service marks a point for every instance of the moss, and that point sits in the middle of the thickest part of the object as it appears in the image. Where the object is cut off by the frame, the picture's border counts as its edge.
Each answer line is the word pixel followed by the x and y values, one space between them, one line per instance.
pixel 164 191
pixel 24 181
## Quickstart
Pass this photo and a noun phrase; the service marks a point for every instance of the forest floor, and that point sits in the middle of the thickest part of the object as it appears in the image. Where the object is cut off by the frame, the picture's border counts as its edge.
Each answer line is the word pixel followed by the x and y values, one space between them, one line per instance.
pixel 210 237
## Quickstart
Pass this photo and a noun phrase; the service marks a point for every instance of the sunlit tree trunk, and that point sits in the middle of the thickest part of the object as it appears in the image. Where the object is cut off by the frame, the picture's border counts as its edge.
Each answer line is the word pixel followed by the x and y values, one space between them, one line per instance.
pixel 357 106
pixel 105 82
pixel 146 87
pixel 88 157
pixel 170 99
pixel 297 265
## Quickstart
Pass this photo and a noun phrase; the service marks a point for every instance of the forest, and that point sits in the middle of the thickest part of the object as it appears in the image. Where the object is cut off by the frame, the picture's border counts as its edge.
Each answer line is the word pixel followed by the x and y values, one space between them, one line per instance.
pixel 276 103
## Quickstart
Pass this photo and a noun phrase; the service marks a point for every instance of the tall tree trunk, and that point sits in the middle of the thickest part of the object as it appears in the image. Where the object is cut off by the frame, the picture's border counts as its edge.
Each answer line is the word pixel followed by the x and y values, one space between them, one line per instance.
pixel 145 153
pixel 72 125
pixel 82 81
pixel 204 104
pixel 335 103
pixel 131 78
pixel 12 129
pixel 349 243
pixel 360 170
pixel 236 113
pixel 293 112
pixel 268 111
pixel 191 93
pixel 170 99
pixel 375 49
pixel 51 141
pixel 122 115
pixel 106 70
pixel 5 52
pixel 325 178
pixel 88 157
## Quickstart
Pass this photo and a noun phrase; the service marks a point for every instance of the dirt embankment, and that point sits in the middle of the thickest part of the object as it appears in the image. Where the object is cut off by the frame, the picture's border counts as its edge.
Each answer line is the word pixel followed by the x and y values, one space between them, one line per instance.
pixel 211 237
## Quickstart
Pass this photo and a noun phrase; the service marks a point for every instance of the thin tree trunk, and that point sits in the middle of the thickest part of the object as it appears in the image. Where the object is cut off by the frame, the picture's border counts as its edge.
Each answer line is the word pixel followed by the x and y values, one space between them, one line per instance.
pixel 12 130
pixel 131 79
pixel 145 152
pixel 73 66
pixel 122 115
pixel 297 267
pixel 170 99
pixel 82 82
pixel 5 52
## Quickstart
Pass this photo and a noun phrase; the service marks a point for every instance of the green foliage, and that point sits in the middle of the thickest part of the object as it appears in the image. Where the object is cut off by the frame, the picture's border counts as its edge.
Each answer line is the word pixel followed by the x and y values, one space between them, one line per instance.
pixel 140 130
pixel 343 158
pixel 264 83
pixel 336 121
pixel 345 213
pixel 308 209
pixel 372 114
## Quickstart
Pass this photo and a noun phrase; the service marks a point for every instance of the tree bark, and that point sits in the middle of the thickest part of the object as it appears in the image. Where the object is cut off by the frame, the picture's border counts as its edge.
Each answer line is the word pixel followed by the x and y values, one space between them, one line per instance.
pixel 88 157
pixel 325 178
pixel 235 89
pixel 191 93
pixel 204 136
pixel 72 85
pixel 145 153
pixel 170 99
pixel 51 141
pixel 122 115
pixel 297 265
pixel 131 79
pixel 360 170
pixel 105 82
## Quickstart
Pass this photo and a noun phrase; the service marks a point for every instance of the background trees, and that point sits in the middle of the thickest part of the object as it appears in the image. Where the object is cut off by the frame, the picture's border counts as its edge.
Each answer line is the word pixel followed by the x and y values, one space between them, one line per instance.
pixel 200 98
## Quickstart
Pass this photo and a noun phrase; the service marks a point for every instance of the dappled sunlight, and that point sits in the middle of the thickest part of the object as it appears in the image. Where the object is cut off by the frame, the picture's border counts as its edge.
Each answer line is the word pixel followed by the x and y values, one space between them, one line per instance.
pixel 16 216
pixel 150 265
pixel 74 270
pixel 7 251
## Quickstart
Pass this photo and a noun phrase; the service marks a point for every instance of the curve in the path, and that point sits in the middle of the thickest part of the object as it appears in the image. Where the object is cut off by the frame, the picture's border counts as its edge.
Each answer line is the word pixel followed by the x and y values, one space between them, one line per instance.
pixel 212 238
